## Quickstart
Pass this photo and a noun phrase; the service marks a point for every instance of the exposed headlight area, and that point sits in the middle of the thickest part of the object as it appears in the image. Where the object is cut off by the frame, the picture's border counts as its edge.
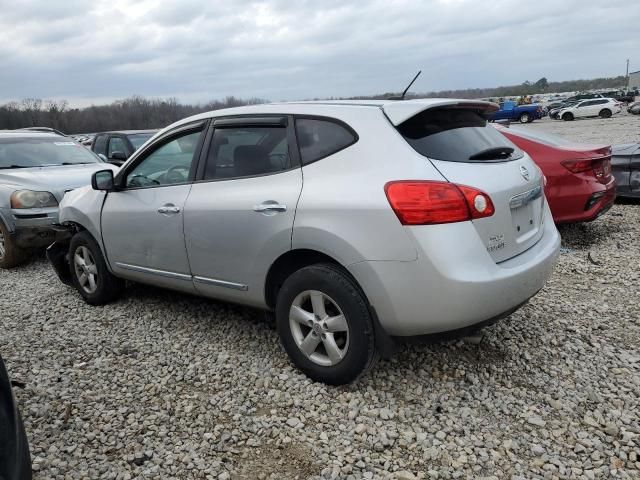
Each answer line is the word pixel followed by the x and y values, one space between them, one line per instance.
pixel 22 199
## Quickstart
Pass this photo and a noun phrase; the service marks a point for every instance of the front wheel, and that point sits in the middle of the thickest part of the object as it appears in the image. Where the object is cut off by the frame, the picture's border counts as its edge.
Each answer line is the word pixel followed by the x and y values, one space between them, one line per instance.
pixel 10 254
pixel 525 118
pixel 567 117
pixel 89 271
pixel 324 324
pixel 605 113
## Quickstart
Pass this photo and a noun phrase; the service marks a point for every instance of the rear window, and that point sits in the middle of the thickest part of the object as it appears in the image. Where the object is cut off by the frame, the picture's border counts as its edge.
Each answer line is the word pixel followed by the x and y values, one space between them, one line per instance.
pixel 321 138
pixel 457 135
pixel 137 139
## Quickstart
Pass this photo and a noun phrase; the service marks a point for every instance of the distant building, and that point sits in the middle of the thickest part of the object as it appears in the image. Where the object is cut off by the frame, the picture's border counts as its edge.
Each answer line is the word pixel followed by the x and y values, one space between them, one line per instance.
pixel 634 80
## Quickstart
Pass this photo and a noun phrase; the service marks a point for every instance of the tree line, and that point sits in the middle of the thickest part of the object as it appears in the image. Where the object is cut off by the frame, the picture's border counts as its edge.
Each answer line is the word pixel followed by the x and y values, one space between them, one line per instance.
pixel 141 113
pixel 128 114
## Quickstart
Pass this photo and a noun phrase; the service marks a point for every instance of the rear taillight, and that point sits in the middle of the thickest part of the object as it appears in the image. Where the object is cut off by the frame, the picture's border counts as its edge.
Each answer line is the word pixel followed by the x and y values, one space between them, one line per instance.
pixel 417 202
pixel 600 167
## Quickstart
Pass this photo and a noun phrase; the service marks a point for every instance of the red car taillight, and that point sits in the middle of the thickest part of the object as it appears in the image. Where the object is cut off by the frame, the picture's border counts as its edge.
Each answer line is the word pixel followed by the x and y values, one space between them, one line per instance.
pixel 417 202
pixel 600 167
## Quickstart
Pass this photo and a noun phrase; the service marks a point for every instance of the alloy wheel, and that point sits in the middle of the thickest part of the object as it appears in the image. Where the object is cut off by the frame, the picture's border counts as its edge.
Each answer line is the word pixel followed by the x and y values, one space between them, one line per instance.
pixel 319 328
pixel 86 269
pixel 2 247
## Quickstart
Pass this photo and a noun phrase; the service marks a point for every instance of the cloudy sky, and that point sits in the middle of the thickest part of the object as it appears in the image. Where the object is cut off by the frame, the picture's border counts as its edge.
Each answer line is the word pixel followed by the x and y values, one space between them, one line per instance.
pixel 95 51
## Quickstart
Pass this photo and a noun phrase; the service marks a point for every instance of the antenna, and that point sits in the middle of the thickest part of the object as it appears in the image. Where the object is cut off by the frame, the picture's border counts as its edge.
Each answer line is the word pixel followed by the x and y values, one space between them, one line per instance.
pixel 401 97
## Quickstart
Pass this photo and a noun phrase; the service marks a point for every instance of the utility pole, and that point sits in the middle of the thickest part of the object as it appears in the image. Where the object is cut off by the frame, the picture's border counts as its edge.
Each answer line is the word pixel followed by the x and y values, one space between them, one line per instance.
pixel 627 75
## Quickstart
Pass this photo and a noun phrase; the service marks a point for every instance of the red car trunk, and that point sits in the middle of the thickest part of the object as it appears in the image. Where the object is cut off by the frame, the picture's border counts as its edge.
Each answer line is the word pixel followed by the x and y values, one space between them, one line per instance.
pixel 579 185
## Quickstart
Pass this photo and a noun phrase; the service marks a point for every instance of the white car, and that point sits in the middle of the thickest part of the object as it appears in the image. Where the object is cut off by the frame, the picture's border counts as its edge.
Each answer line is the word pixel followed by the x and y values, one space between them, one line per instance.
pixel 593 107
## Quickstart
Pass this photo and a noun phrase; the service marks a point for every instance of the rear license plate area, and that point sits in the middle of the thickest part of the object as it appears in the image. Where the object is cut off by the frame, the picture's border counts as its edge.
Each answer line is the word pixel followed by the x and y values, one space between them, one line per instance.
pixel 526 213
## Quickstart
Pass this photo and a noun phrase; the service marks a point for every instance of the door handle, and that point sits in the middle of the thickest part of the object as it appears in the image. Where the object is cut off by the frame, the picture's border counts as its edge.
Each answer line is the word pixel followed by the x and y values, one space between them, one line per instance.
pixel 269 207
pixel 169 209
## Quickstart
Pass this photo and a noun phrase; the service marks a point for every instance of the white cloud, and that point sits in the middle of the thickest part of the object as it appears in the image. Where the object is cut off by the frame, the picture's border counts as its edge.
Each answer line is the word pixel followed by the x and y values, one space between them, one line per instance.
pixel 105 49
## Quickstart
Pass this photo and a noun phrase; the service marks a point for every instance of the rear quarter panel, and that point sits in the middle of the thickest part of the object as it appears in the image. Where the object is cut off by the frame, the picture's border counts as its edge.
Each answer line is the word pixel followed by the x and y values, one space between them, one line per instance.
pixel 343 209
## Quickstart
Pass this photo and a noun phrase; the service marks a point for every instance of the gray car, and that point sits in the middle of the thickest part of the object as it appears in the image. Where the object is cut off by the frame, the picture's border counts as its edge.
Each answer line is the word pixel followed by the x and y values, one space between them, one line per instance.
pixel 36 170
pixel 625 166
pixel 354 222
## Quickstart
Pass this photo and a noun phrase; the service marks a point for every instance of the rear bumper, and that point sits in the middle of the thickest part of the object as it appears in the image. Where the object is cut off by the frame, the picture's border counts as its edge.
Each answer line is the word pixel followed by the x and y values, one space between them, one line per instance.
pixel 584 206
pixel 454 283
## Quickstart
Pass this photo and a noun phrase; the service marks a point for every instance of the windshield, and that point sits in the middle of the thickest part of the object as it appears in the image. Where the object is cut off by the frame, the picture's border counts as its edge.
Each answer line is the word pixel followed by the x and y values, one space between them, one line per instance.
pixel 42 152
pixel 137 139
pixel 456 135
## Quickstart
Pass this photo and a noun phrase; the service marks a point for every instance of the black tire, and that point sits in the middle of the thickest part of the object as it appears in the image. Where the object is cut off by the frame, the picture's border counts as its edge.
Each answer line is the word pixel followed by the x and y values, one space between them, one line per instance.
pixel 605 113
pixel 108 287
pixel 25 455
pixel 525 118
pixel 567 117
pixel 361 353
pixel 13 255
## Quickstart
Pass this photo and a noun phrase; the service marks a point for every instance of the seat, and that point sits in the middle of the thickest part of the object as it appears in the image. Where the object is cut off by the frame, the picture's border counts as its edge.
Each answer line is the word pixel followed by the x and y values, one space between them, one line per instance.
pixel 251 160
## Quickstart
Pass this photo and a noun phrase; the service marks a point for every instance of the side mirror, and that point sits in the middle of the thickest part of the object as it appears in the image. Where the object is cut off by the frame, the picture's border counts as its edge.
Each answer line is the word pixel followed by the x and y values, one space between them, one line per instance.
pixel 102 180
pixel 118 156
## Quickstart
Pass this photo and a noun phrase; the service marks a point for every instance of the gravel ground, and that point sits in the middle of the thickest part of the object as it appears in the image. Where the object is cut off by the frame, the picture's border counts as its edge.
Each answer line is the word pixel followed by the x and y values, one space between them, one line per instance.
pixel 621 128
pixel 163 385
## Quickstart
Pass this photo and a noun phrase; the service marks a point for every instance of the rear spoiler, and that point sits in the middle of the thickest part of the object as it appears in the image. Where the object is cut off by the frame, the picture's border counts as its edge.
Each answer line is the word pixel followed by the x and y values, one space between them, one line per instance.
pixel 400 111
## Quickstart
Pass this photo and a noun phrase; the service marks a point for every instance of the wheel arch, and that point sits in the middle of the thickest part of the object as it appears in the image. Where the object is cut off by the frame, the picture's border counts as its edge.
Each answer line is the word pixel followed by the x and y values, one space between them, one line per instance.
pixel 290 262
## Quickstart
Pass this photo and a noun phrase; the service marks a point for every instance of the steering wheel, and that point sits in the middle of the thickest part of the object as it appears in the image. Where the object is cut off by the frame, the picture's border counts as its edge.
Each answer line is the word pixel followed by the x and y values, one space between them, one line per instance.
pixel 174 175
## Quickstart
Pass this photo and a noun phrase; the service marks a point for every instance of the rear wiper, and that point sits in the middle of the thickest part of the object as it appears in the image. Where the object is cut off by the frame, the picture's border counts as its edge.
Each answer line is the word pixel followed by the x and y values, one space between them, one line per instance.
pixel 14 166
pixel 494 153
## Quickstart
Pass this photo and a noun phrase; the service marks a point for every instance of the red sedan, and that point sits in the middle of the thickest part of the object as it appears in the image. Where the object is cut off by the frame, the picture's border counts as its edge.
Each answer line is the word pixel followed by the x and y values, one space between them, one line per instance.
pixel 579 185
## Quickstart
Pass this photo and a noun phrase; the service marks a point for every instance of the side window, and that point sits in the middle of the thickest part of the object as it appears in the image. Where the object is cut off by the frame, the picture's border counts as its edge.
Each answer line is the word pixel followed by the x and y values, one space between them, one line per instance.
pixel 116 144
pixel 247 151
pixel 168 164
pixel 321 138
pixel 100 144
pixel 585 104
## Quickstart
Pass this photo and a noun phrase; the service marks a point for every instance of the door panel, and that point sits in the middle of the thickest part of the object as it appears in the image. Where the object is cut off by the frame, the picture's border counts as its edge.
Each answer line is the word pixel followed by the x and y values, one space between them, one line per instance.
pixel 235 229
pixel 143 243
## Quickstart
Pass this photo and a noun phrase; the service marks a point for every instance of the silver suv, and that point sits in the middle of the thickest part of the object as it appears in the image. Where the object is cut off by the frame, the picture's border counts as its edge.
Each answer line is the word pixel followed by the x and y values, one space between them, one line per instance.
pixel 355 222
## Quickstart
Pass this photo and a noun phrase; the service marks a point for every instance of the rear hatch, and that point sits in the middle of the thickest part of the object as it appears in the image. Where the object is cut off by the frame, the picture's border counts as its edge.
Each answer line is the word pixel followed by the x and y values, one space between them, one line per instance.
pixel 457 140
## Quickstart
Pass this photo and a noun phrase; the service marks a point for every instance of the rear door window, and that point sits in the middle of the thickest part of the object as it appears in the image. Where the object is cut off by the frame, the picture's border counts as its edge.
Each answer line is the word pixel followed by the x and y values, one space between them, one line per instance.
pixel 247 151
pixel 457 135
pixel 320 138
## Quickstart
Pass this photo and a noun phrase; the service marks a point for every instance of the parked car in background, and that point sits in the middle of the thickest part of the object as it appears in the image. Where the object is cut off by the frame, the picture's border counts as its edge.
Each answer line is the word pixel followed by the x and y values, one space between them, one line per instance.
pixel 598 107
pixel 579 185
pixel 553 113
pixel 634 108
pixel 414 217
pixel 521 113
pixel 15 460
pixel 626 169
pixel 36 170
pixel 116 147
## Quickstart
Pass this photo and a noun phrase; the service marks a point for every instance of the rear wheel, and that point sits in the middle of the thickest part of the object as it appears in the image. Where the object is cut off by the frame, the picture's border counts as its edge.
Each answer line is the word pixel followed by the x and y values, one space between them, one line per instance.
pixel 89 272
pixel 525 118
pixel 605 113
pixel 325 325
pixel 567 117
pixel 10 254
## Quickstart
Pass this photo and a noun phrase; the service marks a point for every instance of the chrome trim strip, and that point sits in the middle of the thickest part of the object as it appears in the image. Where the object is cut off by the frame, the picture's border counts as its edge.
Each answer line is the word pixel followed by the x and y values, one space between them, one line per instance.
pixel 525 198
pixel 153 271
pixel 221 283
